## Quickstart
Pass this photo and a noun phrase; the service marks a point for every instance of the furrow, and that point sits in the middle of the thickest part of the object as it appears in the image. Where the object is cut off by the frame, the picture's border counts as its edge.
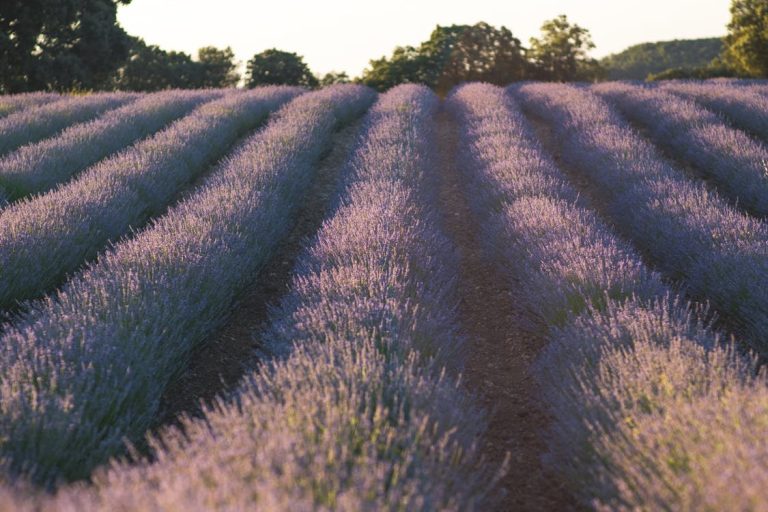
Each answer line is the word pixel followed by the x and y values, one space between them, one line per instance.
pixel 355 411
pixel 641 391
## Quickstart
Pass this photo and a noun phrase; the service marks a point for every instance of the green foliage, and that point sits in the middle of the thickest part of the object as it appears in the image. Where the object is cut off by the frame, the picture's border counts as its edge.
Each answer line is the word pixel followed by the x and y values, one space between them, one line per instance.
pixel 561 53
pixel 59 44
pixel 476 53
pixel 217 68
pixel 747 40
pixel 276 67
pixel 453 54
pixel 678 58
pixel 150 68
pixel 712 71
pixel 334 77
pixel 407 65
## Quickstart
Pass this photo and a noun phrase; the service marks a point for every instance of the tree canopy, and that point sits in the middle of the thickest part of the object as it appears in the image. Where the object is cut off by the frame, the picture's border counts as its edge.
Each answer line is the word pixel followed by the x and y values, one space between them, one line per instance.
pixel 78 45
pixel 59 44
pixel 452 55
pixel 277 67
pixel 481 52
pixel 216 67
pixel 406 65
pixel 334 77
pixel 149 68
pixel 562 52
pixel 641 60
pixel 747 39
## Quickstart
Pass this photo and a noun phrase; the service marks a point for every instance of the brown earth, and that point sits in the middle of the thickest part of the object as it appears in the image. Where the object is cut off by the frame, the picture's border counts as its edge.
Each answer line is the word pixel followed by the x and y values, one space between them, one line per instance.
pixel 503 340
pixel 229 353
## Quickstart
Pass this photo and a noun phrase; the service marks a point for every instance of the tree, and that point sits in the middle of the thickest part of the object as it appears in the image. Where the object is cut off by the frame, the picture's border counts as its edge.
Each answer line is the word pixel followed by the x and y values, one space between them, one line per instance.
pixel 334 77
pixel 407 65
pixel 561 54
pixel 480 52
pixel 217 68
pixel 59 44
pixel 276 67
pixel 451 55
pixel 713 70
pixel 641 60
pixel 747 39
pixel 150 68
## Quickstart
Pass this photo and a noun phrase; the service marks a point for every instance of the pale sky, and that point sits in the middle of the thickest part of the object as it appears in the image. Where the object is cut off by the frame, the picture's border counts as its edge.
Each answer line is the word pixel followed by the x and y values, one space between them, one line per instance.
pixel 343 35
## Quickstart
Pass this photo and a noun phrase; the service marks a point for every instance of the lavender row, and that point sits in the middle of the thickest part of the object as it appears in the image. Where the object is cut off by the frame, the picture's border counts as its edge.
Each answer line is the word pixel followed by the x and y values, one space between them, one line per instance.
pixel 18 102
pixel 86 368
pixel 34 124
pixel 743 106
pixel 354 411
pixel 44 238
pixel 729 157
pixel 718 253
pixel 36 168
pixel 649 411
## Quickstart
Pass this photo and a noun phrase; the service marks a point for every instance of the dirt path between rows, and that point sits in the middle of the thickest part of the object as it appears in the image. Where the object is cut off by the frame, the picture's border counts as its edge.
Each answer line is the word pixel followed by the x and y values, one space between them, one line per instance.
pixel 503 340
pixel 223 359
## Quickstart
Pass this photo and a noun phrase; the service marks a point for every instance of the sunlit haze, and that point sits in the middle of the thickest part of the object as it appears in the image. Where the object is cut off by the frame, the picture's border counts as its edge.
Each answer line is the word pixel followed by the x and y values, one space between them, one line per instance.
pixel 343 35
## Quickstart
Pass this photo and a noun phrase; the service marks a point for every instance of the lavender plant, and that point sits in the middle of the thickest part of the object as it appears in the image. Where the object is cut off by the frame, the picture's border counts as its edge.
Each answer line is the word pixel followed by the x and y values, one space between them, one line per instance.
pixel 32 125
pixel 17 102
pixel 718 253
pixel 36 168
pixel 86 368
pixel 354 411
pixel 643 396
pixel 44 238
pixel 743 106
pixel 729 157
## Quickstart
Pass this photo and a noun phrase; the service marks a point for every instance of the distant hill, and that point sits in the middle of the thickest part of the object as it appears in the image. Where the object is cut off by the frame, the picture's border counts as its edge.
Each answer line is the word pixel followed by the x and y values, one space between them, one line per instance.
pixel 640 60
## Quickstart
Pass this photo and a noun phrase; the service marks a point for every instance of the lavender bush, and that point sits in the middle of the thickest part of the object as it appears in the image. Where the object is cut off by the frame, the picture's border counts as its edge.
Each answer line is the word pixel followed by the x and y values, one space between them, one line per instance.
pixel 690 233
pixel 17 102
pixel 86 368
pixel 34 124
pixel 729 157
pixel 46 237
pixel 642 394
pixel 743 106
pixel 36 168
pixel 672 424
pixel 354 411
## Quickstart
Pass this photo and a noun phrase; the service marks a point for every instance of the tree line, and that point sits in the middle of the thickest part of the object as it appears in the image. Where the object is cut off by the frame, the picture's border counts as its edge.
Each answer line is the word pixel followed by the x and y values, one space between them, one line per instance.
pixel 78 45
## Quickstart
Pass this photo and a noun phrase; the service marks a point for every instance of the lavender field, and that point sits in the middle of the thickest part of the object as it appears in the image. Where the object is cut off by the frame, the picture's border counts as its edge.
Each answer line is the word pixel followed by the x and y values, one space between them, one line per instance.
pixel 544 297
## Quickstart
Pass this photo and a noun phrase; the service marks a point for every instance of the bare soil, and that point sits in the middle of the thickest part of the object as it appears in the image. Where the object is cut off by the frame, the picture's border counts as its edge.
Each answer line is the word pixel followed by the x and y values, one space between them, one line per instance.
pixel 503 340
pixel 222 360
